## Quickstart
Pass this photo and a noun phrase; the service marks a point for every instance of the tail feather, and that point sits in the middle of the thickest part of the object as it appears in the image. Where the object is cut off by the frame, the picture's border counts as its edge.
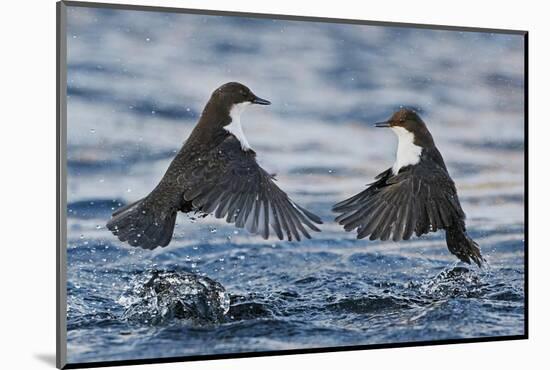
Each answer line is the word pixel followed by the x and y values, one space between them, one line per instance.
pixel 141 225
pixel 124 208
pixel 461 245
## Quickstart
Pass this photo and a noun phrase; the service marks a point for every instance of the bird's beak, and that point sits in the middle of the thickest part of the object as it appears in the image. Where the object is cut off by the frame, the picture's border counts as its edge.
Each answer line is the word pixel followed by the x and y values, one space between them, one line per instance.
pixel 260 101
pixel 382 124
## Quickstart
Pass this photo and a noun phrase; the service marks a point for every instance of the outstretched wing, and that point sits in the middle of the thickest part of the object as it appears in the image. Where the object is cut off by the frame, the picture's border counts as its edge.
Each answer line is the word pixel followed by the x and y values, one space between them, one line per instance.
pixel 229 183
pixel 417 200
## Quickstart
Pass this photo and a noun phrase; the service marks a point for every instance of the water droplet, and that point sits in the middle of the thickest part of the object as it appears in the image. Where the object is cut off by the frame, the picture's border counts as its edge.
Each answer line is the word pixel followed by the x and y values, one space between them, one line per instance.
pixel 129 190
pixel 92 130
pixel 98 227
pixel 81 236
pixel 213 230
pixel 147 39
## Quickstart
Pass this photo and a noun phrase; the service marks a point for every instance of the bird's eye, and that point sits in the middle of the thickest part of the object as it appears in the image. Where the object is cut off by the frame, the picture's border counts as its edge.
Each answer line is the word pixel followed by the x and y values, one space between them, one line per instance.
pixel 243 93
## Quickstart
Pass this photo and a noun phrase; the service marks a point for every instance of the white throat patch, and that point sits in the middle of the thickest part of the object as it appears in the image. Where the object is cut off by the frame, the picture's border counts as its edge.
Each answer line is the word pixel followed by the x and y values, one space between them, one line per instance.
pixel 407 152
pixel 235 126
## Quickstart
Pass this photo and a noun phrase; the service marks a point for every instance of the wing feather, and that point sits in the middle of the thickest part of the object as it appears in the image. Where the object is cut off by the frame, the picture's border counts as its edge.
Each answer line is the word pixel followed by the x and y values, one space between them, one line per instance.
pixel 417 200
pixel 229 183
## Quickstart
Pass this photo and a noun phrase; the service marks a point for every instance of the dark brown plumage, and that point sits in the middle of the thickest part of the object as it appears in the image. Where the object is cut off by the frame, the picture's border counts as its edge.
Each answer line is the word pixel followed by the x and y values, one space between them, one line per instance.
pixel 214 173
pixel 416 197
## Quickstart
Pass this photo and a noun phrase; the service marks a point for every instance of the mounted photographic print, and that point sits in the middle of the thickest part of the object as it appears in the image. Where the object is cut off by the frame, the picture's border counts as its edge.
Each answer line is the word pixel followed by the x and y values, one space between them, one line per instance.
pixel 234 184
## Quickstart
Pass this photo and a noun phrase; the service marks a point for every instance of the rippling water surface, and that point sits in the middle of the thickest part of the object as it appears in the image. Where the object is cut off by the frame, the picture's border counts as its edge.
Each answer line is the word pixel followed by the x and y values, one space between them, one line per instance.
pixel 137 82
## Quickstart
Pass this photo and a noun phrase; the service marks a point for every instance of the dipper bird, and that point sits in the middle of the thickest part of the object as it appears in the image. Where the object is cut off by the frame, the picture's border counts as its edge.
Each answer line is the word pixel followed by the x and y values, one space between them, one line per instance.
pixel 215 172
pixel 415 195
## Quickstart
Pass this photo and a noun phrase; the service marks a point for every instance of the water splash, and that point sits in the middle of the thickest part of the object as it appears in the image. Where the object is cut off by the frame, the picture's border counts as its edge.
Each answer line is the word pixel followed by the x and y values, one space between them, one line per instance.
pixel 157 297
pixel 453 282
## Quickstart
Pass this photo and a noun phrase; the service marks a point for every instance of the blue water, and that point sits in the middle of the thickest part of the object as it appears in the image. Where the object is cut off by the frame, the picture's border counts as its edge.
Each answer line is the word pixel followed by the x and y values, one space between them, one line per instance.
pixel 136 84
